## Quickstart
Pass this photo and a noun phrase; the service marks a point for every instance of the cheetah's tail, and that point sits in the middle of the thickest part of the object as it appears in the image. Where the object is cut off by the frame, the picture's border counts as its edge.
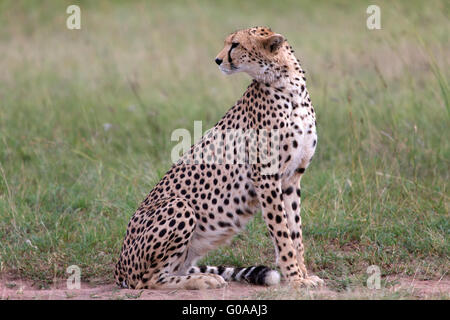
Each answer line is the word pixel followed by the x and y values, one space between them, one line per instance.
pixel 255 275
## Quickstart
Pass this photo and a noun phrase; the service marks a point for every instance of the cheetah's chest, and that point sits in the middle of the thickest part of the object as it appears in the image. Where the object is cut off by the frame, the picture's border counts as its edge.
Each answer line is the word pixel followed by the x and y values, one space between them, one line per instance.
pixel 303 138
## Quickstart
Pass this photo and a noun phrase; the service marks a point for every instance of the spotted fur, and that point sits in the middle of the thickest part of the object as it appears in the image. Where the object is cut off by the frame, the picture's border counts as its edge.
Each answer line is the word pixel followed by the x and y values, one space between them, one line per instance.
pixel 199 205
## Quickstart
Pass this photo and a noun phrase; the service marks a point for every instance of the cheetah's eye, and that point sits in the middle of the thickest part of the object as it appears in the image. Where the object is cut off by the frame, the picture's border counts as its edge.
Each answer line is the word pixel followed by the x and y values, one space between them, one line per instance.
pixel 234 45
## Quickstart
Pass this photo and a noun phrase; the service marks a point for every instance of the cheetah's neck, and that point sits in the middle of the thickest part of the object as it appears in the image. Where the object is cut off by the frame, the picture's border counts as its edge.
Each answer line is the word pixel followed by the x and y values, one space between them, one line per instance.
pixel 288 75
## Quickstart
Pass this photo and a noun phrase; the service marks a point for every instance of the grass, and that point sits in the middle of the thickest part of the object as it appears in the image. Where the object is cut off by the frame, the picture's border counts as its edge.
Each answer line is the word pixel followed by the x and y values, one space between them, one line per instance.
pixel 86 118
pixel 358 293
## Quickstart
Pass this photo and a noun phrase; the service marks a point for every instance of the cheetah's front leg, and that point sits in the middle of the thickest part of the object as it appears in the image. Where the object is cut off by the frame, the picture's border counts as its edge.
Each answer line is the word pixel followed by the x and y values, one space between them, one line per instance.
pixel 292 200
pixel 273 210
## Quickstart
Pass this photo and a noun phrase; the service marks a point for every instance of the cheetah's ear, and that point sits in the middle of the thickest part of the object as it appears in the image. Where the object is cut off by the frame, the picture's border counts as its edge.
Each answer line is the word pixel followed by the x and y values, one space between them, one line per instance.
pixel 273 42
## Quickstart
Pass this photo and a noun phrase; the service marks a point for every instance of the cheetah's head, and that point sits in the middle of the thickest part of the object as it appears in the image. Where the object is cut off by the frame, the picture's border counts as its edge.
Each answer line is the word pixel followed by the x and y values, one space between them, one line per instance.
pixel 257 51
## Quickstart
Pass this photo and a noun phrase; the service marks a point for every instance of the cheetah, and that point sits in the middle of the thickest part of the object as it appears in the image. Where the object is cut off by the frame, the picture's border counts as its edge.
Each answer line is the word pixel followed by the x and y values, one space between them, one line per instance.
pixel 202 202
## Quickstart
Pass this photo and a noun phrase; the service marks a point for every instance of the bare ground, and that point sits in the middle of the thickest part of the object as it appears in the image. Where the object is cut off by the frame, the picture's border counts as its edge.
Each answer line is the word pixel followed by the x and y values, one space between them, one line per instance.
pixel 403 288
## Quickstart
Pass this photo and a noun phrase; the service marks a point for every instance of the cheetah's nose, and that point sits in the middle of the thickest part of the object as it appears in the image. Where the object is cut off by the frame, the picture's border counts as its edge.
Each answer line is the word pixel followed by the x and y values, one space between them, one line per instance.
pixel 218 61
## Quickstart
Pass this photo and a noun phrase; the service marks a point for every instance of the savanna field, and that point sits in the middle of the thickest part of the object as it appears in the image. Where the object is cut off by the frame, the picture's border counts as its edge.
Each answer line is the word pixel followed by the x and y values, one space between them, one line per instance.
pixel 86 118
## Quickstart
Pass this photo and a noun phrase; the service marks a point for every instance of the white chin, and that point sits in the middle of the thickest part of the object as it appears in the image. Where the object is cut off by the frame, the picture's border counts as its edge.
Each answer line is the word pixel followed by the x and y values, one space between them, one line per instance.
pixel 227 71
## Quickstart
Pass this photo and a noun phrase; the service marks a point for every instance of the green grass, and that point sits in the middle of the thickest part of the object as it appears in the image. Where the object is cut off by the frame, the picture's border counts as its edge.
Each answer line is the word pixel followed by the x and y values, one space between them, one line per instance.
pixel 376 192
pixel 387 292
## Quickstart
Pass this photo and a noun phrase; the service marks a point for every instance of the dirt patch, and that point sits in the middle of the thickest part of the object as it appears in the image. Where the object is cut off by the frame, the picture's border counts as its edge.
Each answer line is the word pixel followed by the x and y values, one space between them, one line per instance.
pixel 402 288
pixel 26 290
pixel 424 289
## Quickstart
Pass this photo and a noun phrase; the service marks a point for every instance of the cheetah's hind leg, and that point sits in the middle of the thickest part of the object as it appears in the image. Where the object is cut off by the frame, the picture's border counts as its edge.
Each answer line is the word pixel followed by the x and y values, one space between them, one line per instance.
pixel 167 258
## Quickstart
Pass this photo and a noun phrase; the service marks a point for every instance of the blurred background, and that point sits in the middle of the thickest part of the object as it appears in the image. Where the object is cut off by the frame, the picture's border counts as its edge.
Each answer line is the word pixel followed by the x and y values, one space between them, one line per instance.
pixel 86 117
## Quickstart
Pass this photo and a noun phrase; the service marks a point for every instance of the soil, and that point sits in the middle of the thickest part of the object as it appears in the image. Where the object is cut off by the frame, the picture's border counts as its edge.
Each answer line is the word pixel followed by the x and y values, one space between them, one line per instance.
pixel 17 289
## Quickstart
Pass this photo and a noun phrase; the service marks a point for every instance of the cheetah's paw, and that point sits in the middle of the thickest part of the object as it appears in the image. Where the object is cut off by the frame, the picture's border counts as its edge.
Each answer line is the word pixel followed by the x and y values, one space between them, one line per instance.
pixel 201 282
pixel 308 282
